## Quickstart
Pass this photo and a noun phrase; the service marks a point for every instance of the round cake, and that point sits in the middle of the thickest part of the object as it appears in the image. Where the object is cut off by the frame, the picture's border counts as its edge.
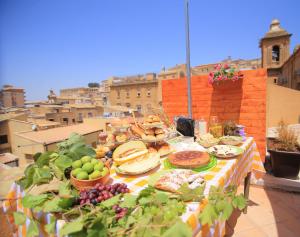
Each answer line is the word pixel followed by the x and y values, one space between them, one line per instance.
pixel 189 159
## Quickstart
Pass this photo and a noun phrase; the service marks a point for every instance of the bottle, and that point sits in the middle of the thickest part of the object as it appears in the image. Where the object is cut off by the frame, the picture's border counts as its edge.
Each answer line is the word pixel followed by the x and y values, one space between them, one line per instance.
pixel 202 126
pixel 215 128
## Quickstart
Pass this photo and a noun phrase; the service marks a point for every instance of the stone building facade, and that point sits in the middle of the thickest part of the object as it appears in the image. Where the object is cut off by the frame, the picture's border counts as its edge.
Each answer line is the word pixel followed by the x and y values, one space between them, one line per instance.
pixel 12 97
pixel 139 92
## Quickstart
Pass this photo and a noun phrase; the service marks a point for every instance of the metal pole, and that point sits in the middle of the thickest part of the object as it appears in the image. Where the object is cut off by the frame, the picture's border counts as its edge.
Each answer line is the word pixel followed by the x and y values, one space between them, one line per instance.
pixel 188 65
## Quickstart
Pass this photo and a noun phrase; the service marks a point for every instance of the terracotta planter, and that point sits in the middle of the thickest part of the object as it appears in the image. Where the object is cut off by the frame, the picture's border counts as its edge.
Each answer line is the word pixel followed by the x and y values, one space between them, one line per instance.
pixel 87 184
pixel 285 164
pixel 228 84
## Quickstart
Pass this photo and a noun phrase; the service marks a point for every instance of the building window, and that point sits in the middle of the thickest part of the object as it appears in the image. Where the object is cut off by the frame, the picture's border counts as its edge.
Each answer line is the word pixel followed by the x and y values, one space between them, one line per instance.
pixel 127 93
pixel 119 104
pixel 275 53
pixel 3 139
pixel 90 114
pixel 51 120
pixel 128 105
pixel 149 93
pixel 138 94
pixel 80 116
pixel 73 120
pixel 118 94
pixel 65 120
pixel 139 108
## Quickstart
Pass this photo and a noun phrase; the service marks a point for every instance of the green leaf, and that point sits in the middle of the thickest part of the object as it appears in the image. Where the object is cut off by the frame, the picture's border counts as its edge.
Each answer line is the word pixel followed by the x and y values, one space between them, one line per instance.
pixel 50 228
pixel 30 201
pixel 146 192
pixel 57 172
pixel 112 201
pixel 52 205
pixel 71 227
pixel 63 162
pixel 44 159
pixel 33 229
pixel 239 202
pixel 227 211
pixel 161 197
pixel 179 229
pixel 19 218
pixel 145 200
pixel 42 175
pixel 27 181
pixel 187 194
pixel 65 190
pixel 208 215
pixel 129 201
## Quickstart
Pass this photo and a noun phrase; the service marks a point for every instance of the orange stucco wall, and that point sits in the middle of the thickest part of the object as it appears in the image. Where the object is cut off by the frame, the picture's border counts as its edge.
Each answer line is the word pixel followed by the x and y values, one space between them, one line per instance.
pixel 243 101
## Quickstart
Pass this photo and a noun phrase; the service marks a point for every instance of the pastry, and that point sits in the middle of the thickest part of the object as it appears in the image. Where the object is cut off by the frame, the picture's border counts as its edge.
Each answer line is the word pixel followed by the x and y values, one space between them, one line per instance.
pixel 160 136
pixel 149 131
pixel 164 150
pixel 158 131
pixel 172 181
pixel 189 159
pixel 121 137
pixel 137 131
pixel 148 137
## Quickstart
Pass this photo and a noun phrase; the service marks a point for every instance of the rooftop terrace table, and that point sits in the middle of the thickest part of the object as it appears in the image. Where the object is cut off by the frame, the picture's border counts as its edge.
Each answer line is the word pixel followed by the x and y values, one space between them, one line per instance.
pixel 226 172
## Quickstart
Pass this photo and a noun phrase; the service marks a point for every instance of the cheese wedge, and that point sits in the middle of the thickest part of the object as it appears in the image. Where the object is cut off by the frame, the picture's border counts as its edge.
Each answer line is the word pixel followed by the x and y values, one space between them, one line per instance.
pixel 140 165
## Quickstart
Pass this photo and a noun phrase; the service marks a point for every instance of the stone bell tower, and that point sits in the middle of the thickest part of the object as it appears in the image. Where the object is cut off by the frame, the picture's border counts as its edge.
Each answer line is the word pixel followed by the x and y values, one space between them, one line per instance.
pixel 275 47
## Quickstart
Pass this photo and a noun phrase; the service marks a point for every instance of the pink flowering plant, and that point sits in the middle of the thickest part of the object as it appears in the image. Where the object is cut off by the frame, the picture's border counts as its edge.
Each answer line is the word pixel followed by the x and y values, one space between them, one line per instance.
pixel 222 72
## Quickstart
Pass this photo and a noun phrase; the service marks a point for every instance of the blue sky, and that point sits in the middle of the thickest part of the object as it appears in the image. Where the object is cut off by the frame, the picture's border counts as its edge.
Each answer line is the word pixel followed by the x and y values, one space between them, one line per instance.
pixel 67 43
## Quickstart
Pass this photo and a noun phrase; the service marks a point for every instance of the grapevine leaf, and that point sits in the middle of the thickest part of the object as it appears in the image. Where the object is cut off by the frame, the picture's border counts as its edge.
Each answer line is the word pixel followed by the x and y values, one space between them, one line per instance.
pixel 208 215
pixel 57 172
pixel 146 192
pixel 71 227
pixel 179 229
pixel 65 190
pixel 30 201
pixel 27 180
pixel 130 220
pixel 53 205
pixel 50 228
pixel 33 229
pixel 188 194
pixel 41 175
pixel 129 201
pixel 63 162
pixel 145 200
pixel 227 211
pixel 97 230
pixel 19 218
pixel 44 159
pixel 112 201
pixel 161 197
pixel 239 202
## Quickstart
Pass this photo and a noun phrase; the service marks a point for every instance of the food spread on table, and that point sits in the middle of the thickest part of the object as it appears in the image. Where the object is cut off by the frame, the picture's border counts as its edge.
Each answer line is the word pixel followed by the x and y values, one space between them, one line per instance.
pixel 129 149
pixel 225 151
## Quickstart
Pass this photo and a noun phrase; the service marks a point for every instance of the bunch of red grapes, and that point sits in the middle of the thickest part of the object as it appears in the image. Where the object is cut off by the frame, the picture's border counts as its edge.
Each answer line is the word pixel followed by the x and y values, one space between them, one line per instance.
pixel 120 212
pixel 101 193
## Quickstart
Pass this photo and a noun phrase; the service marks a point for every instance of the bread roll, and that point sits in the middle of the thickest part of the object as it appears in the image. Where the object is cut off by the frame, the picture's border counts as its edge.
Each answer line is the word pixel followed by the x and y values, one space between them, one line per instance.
pixel 158 131
pixel 137 131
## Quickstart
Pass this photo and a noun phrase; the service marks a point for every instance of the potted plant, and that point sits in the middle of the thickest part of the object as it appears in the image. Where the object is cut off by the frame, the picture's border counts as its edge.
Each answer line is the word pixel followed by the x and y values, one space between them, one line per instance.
pixel 285 153
pixel 222 73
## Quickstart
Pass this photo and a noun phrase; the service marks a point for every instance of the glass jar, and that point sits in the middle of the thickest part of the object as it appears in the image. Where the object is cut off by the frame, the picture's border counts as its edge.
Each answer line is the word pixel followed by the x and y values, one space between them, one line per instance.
pixel 215 127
